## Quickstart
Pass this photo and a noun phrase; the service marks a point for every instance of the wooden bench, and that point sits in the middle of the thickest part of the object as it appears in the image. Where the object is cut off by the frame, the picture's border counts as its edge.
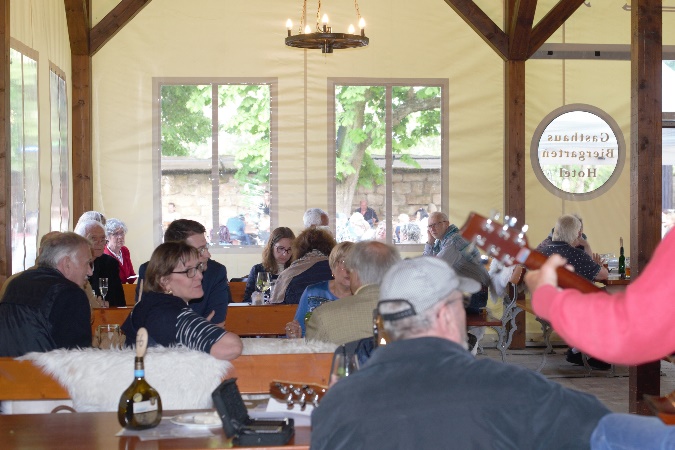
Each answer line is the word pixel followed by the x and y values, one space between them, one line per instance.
pixel 129 293
pixel 22 380
pixel 265 320
pixel 237 290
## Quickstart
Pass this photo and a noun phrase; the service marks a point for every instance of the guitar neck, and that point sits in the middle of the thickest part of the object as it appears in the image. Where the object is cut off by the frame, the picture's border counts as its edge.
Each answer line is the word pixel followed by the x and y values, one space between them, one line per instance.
pixel 509 246
pixel 533 260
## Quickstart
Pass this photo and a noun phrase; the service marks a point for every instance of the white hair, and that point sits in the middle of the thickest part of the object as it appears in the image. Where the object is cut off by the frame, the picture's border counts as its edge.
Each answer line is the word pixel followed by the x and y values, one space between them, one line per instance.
pixel 313 217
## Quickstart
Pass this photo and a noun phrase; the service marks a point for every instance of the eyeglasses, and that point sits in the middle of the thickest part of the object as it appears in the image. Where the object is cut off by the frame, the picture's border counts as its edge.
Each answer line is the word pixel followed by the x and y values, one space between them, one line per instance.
pixel 192 271
pixel 282 250
pixel 201 251
pixel 432 225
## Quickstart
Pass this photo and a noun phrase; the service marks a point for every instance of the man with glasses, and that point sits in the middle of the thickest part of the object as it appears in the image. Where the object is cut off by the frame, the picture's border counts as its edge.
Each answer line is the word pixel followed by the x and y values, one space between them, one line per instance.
pixel 46 308
pixel 424 390
pixel 213 305
pixel 445 241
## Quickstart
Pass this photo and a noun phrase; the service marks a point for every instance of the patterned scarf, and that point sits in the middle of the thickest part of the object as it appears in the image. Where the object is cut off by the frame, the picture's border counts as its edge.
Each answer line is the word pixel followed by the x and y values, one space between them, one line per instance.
pixel 298 267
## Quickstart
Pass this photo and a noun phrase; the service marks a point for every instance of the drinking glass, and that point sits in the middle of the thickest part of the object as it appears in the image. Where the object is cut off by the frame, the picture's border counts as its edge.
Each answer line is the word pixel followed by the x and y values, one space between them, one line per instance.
pixel 103 287
pixel 343 366
pixel 108 336
pixel 262 282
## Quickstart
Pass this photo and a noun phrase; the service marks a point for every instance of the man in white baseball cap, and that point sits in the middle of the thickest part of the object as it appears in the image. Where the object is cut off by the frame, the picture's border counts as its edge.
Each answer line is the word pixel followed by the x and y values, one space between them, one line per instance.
pixel 425 390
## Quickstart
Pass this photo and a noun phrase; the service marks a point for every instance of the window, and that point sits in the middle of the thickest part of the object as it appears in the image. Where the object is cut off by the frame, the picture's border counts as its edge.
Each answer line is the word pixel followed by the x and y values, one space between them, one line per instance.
pixel 389 158
pixel 25 177
pixel 215 157
pixel 59 211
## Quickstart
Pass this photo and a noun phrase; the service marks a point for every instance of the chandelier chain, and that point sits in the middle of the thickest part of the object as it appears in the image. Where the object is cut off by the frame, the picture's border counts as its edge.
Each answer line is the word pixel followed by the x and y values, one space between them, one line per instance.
pixel 318 17
pixel 358 13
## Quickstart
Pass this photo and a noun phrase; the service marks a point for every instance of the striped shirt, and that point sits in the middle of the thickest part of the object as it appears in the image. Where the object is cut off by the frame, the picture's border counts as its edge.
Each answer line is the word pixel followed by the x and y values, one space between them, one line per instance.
pixel 170 321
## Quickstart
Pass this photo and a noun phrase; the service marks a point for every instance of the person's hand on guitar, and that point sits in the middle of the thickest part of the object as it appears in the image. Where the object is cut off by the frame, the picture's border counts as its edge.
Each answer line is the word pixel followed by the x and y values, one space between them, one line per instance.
pixel 547 273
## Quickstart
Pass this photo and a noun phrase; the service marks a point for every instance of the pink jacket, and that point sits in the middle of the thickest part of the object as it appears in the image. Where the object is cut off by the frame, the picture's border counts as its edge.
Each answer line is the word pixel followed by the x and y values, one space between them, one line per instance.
pixel 630 328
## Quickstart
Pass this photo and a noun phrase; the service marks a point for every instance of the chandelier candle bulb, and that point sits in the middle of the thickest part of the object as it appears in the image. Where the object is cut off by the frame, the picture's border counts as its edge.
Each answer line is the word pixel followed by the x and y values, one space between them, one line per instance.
pixel 289 26
pixel 362 25
pixel 350 30
pixel 324 21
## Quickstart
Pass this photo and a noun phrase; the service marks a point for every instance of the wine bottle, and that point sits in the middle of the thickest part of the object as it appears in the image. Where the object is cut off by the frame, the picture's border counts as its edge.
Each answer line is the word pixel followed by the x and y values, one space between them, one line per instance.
pixel 140 406
pixel 622 261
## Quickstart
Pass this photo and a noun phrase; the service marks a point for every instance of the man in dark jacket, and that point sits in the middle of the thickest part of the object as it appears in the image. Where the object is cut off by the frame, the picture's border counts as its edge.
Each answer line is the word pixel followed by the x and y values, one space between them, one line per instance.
pixel 425 390
pixel 213 305
pixel 46 308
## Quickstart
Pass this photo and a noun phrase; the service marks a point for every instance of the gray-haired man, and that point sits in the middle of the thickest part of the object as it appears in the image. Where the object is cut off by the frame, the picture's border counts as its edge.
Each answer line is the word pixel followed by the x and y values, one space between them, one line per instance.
pixel 425 390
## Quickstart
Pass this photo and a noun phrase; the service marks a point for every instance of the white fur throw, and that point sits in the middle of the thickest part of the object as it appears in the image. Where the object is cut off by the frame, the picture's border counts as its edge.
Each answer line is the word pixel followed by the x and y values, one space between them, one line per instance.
pixel 264 346
pixel 95 378
pixel 185 378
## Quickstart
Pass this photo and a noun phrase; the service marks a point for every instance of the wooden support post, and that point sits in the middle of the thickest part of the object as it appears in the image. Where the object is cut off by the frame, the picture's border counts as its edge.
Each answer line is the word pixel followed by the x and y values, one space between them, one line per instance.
pixel 645 165
pixel 5 149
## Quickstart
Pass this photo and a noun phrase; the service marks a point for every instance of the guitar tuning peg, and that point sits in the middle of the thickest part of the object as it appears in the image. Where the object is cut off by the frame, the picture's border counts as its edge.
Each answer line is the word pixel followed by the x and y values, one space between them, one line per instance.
pixel 484 259
pixel 525 228
pixel 494 215
pixel 512 221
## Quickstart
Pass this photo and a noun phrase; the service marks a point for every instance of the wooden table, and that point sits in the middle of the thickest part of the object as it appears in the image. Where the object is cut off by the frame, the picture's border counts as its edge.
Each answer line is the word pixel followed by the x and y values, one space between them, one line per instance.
pixel 97 431
pixel 615 284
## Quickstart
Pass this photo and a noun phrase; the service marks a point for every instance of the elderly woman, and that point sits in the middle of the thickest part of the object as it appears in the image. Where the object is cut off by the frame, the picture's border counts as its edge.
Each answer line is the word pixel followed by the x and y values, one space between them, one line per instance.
pixel 105 266
pixel 172 279
pixel 115 231
pixel 410 233
pixel 276 256
pixel 310 265
pixel 326 291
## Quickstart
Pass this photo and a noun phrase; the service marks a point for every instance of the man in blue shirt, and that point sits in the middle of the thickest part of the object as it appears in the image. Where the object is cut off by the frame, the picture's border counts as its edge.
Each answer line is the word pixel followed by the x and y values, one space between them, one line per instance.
pixel 213 305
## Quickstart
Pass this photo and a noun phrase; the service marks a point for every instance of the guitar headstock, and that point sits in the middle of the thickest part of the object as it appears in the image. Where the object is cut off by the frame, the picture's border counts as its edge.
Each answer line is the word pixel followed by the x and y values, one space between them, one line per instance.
pixel 300 393
pixel 502 242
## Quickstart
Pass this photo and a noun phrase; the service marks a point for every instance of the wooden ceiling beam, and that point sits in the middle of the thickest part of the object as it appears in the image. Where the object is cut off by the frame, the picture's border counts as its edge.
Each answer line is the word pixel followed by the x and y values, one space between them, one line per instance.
pixel 113 22
pixel 77 18
pixel 482 24
pixel 551 22
pixel 519 29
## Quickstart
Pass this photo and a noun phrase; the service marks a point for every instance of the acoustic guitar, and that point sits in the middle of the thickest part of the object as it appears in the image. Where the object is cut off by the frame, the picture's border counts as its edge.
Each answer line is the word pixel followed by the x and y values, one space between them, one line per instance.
pixel 509 246
pixel 297 393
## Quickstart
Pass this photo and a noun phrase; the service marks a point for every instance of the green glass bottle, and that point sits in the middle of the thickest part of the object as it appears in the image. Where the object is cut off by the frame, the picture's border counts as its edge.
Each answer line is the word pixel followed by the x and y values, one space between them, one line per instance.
pixel 140 406
pixel 622 261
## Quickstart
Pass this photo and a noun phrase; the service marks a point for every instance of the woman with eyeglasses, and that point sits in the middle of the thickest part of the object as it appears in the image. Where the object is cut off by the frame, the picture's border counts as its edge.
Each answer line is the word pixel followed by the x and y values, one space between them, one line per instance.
pixel 115 232
pixel 309 265
pixel 174 277
pixel 276 256
pixel 325 291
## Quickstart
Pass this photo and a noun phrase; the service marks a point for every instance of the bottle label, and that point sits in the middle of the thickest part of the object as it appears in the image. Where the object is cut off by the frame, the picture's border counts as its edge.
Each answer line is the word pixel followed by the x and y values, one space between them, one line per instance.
pixel 145 413
pixel 139 373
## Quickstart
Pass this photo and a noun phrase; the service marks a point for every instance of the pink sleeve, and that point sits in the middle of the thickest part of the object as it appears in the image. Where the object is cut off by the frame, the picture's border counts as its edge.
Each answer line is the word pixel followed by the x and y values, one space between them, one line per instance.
pixel 630 328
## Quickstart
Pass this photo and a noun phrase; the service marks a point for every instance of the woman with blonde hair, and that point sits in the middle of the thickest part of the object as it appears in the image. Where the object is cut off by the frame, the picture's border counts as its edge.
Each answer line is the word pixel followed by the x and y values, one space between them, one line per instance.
pixel 325 291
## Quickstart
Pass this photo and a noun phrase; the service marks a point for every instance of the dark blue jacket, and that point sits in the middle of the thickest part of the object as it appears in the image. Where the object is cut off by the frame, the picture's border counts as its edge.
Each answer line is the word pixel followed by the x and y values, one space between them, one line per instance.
pixel 42 310
pixel 317 273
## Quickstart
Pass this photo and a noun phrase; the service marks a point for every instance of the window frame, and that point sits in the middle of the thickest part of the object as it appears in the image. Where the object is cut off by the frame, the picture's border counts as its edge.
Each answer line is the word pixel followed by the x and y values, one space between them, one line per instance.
pixel 388 84
pixel 62 196
pixel 214 82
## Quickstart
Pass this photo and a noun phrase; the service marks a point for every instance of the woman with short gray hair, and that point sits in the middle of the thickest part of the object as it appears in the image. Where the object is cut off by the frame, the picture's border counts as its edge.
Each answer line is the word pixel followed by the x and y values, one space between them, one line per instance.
pixel 115 232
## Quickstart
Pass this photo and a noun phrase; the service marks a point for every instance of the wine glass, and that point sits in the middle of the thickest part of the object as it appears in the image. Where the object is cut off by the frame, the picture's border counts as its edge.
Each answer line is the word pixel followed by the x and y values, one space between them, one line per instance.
pixel 103 287
pixel 262 282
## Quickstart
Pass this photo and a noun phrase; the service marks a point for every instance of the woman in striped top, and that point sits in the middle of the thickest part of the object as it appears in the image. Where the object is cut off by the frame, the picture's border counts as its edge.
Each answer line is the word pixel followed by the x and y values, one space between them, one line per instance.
pixel 173 277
